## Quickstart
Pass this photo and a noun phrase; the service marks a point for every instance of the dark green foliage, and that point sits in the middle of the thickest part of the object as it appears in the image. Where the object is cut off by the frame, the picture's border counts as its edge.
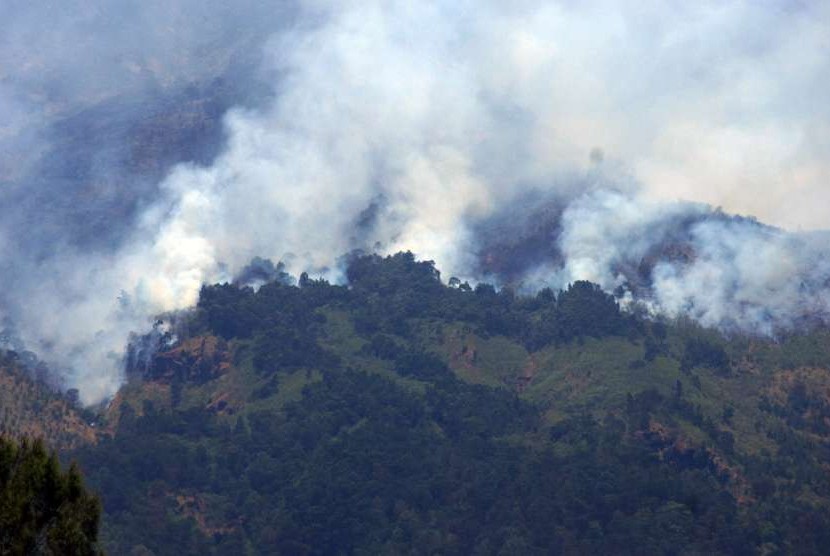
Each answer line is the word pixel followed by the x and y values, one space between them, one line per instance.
pixel 227 311
pixel 281 319
pixel 804 410
pixel 702 352
pixel 287 349
pixel 652 349
pixel 359 465
pixel 585 310
pixel 383 346
pixel 393 275
pixel 233 312
pixel 422 365
pixel 43 510
pixel 385 294
pixel 403 457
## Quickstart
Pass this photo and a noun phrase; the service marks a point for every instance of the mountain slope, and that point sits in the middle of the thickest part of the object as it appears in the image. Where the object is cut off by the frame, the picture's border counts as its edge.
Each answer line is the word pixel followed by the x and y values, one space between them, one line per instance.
pixel 398 415
pixel 32 408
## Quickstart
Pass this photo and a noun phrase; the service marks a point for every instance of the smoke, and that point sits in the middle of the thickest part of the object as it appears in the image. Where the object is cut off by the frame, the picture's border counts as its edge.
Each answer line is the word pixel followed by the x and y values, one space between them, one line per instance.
pixel 680 259
pixel 529 142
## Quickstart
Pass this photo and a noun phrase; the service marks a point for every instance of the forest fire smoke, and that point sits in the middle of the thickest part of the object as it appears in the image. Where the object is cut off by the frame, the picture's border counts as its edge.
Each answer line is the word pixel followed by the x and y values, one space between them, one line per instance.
pixel 458 130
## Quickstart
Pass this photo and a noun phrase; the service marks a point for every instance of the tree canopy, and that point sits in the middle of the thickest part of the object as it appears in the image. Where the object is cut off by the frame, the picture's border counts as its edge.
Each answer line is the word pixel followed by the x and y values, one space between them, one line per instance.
pixel 44 509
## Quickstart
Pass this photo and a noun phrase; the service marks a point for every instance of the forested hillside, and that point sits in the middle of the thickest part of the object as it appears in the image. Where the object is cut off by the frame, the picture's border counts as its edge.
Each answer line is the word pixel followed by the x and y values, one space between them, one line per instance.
pixel 31 408
pixel 397 415
pixel 43 509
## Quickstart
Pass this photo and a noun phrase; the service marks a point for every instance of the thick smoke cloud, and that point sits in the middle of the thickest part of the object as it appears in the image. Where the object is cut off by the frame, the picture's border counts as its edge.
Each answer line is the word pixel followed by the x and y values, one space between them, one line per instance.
pixel 98 101
pixel 422 126
pixel 677 259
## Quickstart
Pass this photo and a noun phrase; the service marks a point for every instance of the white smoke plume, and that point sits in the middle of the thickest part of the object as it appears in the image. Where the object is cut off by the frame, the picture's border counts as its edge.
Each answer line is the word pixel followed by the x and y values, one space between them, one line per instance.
pixel 399 125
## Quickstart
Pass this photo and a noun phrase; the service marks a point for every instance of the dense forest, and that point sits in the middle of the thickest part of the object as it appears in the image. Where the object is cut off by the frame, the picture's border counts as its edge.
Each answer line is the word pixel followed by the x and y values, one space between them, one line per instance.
pixel 399 415
pixel 43 509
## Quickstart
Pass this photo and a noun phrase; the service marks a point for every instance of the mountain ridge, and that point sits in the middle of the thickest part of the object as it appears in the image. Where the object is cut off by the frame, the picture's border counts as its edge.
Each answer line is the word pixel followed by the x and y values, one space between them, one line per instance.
pixel 282 379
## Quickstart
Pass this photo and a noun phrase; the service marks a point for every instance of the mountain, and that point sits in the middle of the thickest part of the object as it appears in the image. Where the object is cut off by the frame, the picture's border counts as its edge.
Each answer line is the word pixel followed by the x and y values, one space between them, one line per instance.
pixel 672 398
pixel 400 415
pixel 31 408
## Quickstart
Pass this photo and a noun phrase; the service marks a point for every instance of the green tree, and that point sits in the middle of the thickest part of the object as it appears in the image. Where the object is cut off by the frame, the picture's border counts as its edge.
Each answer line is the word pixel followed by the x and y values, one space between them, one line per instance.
pixel 44 510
